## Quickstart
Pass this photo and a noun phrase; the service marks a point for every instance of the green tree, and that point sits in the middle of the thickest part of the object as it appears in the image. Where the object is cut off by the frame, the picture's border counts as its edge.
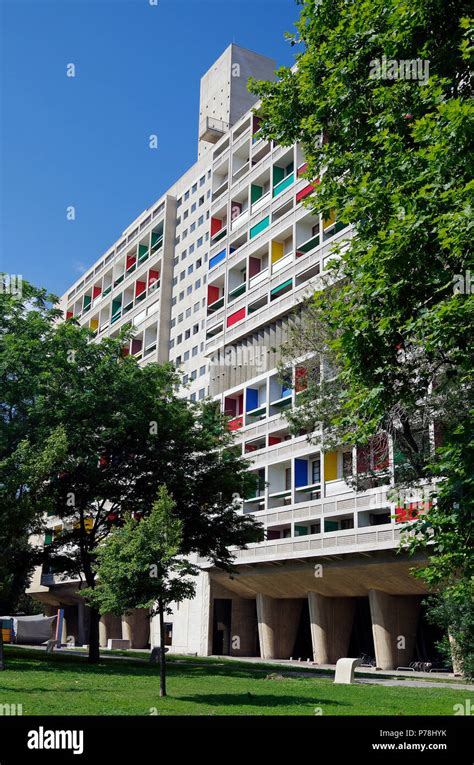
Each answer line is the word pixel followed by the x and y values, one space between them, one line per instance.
pixel 124 431
pixel 393 322
pixel 140 565
pixel 27 321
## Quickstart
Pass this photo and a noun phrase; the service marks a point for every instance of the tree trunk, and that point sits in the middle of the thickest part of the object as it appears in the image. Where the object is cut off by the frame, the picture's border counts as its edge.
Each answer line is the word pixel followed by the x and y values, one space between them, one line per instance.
pixel 162 651
pixel 94 647
pixel 2 659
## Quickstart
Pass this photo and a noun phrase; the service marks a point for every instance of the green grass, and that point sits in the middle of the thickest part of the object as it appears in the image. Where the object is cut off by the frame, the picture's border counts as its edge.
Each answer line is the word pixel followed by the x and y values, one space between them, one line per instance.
pixel 64 684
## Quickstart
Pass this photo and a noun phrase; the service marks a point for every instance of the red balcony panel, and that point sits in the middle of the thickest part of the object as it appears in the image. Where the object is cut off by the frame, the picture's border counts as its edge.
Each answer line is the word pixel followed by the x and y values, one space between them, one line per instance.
pixel 216 225
pixel 131 260
pixel 236 423
pixel 302 169
pixel 235 317
pixel 212 294
pixel 255 266
pixel 136 346
pixel 140 287
pixel 153 277
pixel 301 374
pixel 69 314
pixel 96 292
pixel 272 440
pixel 306 191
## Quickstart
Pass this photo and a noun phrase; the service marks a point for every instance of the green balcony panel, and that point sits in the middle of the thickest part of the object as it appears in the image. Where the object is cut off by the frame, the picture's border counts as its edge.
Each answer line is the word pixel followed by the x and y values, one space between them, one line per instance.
pixel 259 227
pixel 285 285
pixel 278 175
pixel 142 252
pixel 255 192
pixel 283 184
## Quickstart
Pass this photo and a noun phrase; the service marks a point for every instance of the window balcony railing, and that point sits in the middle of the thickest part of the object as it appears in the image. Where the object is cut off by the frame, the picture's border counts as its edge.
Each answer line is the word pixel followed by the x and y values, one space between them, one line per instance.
pixel 283 184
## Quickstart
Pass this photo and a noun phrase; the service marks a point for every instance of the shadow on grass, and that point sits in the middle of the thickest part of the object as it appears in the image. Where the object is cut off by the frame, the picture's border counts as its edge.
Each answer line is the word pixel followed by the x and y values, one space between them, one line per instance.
pixel 21 660
pixel 260 700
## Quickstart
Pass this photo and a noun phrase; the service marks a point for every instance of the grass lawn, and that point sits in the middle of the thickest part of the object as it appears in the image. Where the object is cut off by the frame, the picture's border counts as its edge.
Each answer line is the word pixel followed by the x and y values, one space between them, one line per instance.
pixel 64 684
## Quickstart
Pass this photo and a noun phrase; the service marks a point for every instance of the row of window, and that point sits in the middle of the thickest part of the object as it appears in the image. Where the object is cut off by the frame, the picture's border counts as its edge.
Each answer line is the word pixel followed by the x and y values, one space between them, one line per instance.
pixel 193 188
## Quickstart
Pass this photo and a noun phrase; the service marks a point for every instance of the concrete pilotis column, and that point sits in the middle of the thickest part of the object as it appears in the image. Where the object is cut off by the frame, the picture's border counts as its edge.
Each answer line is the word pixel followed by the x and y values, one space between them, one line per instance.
pixel 331 622
pixel 394 626
pixel 63 635
pixel 136 627
pixel 457 670
pixel 278 621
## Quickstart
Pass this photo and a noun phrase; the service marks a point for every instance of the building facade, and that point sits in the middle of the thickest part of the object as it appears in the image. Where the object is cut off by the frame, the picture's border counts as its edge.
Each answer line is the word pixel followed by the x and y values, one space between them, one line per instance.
pixel 208 277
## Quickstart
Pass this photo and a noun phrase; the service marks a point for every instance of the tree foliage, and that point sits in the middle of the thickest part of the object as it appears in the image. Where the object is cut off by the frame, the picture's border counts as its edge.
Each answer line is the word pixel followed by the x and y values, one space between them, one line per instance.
pixel 393 320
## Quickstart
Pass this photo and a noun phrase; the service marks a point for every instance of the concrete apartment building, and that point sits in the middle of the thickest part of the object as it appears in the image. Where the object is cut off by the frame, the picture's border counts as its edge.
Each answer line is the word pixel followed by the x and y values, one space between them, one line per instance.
pixel 208 276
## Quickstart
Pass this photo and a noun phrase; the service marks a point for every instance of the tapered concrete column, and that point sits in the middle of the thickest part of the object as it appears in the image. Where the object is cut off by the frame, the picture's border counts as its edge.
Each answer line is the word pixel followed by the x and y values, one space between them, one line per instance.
pixel 331 621
pixel 64 630
pixel 110 626
pixel 394 626
pixel 278 621
pixel 457 669
pixel 136 627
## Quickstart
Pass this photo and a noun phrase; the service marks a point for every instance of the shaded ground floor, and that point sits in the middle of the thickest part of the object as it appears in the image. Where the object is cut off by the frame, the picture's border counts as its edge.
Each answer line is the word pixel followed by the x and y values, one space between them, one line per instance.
pixel 316 610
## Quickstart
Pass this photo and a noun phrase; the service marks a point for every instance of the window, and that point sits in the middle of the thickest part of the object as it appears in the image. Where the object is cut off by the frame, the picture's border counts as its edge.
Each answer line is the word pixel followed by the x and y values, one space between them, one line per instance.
pixel 188 313
pixel 175 281
pixel 179 339
pixel 189 289
pixel 185 233
pixel 191 249
pixel 202 180
pixel 194 351
pixel 187 334
pixel 200 241
pixel 186 356
pixel 192 397
pixel 173 302
pixel 194 189
pixel 185 215
pixel 195 329
pixel 193 374
pixel 175 261
pixel 202 371
pixel 178 361
pixel 201 201
pixel 186 196
pixel 181 295
pixel 180 318
pixel 202 393
pixel 190 269
pixel 316 471
pixel 171 343
pixel 173 323
pixel 198 263
pixel 192 227
pixel 200 220
pixel 193 207
pixel 182 275
pixel 196 307
pixel 183 255
pixel 185 379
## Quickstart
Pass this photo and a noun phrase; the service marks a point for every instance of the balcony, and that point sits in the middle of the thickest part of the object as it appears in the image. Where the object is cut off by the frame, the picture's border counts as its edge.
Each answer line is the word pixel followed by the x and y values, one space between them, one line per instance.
pixel 212 130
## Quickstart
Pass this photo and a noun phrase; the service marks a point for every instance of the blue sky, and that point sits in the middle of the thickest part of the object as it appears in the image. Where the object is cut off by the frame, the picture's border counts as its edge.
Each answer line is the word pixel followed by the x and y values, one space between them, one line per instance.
pixel 83 141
